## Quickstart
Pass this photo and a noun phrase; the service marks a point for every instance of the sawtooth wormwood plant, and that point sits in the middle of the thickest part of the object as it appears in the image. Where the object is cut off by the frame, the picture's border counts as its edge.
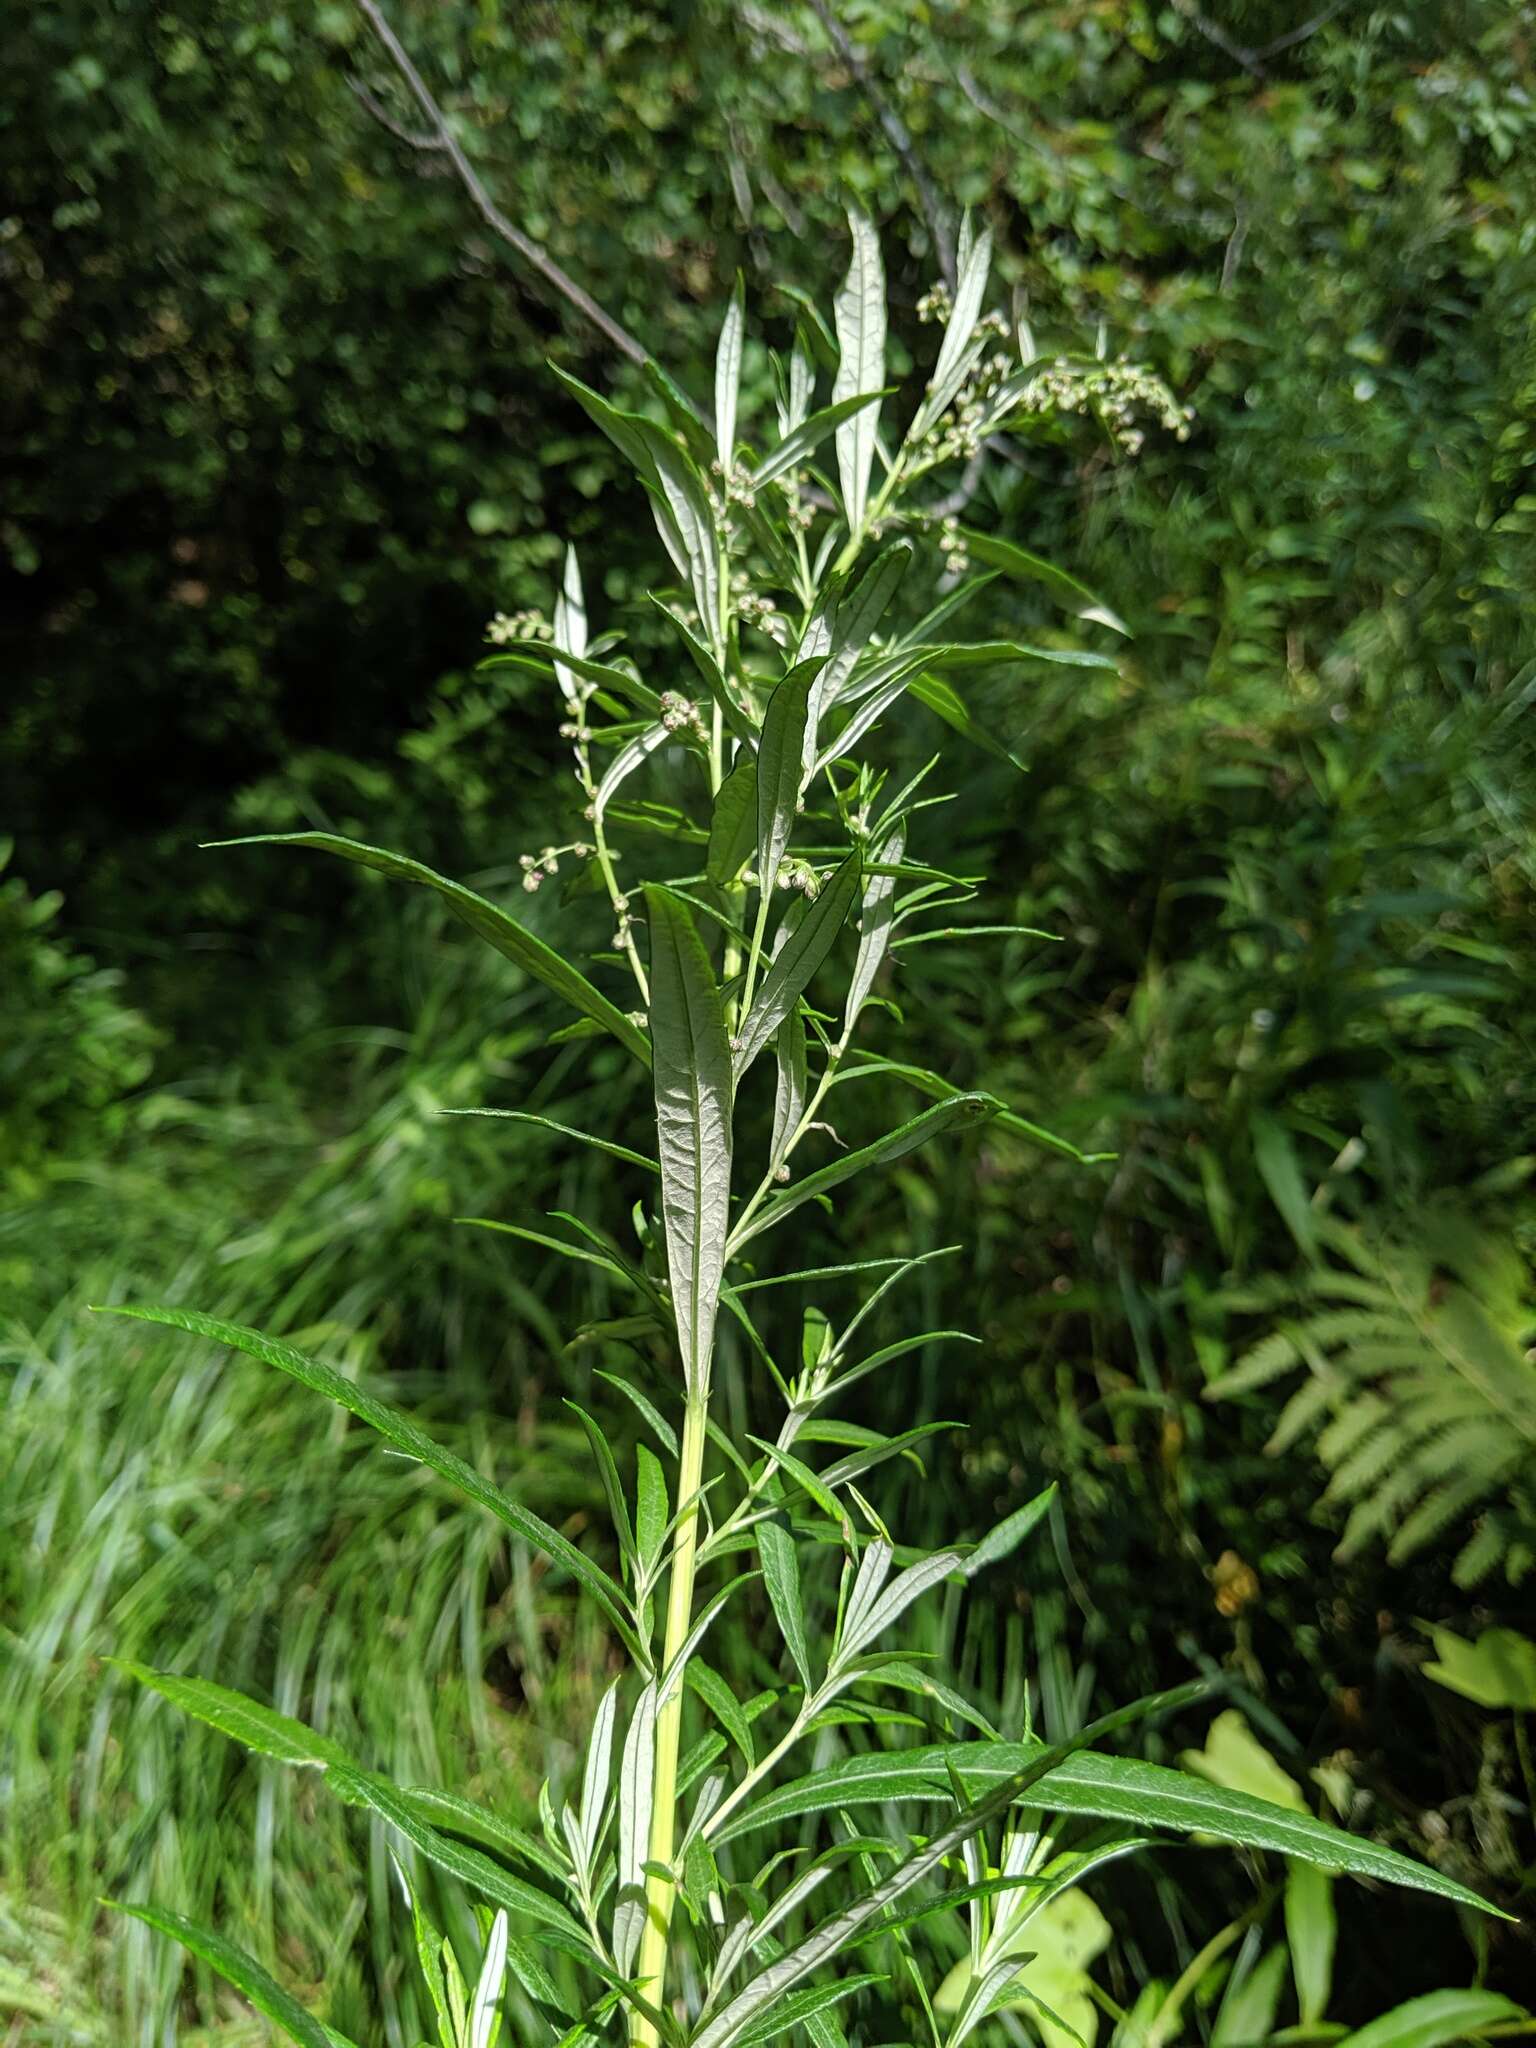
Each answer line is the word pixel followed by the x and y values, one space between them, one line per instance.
pixel 673 1897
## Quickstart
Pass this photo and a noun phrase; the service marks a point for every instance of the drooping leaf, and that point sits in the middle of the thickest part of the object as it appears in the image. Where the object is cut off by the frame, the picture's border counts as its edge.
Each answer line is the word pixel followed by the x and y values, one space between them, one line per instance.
pixel 692 1064
pixel 713 1690
pixel 859 316
pixel 509 938
pixel 1024 567
pixel 714 676
pixel 549 1123
pixel 480 1872
pixel 403 1433
pixel 241 1970
pixel 797 960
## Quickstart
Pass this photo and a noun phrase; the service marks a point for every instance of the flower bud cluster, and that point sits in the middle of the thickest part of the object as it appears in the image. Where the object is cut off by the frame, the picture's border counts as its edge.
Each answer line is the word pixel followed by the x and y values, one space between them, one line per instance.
pixel 952 546
pixel 1117 391
pixel 506 627
pixel 541 867
pixel 678 714
pixel 935 304
pixel 798 874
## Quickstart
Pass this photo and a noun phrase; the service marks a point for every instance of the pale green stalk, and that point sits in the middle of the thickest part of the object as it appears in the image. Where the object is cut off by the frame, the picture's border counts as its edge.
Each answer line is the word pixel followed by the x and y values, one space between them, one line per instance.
pixel 659 1891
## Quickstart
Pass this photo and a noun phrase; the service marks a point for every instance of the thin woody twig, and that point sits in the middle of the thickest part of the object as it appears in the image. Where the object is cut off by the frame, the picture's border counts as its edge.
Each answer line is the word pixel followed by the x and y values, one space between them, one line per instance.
pixel 896 134
pixel 386 119
pixel 442 137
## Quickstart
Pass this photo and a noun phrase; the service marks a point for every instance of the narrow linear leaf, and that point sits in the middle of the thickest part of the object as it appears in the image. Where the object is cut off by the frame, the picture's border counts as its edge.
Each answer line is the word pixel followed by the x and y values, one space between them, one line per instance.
pixel 509 938
pixel 801 440
pixel 1437 2017
pixel 728 376
pixel 1024 567
pixel 960 1112
pixel 781 1575
pixel 239 1969
pixel 528 1116
pixel 632 755
pixel 244 1720
pixel 874 926
pixel 399 1430
pixel 480 1872
pixel 797 960
pixel 1106 1787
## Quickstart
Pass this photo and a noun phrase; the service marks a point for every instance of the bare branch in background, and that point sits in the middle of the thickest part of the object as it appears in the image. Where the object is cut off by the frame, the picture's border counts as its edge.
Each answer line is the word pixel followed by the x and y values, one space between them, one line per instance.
pixel 896 134
pixel 441 137
pixel 375 106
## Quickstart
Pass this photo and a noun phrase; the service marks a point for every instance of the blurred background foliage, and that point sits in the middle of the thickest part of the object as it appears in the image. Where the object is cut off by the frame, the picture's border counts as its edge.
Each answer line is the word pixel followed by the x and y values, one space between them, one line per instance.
pixel 280 440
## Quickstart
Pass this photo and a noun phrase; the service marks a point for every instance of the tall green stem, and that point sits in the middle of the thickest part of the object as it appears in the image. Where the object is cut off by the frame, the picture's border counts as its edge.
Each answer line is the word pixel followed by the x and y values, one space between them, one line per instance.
pixel 652 1967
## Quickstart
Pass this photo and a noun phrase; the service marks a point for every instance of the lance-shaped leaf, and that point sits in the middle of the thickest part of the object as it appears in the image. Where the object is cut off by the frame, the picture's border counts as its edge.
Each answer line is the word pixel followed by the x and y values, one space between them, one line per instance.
pixel 624 763
pixel 539 655
pixel 241 1970
pixel 781 1575
pixel 892 687
pixel 512 940
pixel 956 354
pixel 796 961
pixel 781 763
pixel 1099 1786
pixel 859 316
pixel 860 608
pixel 765 1993
pixel 244 1720
pixel 1438 2017
pixel 405 1435
pixel 897 1597
pixel 1019 563
pixel 945 701
pixel 485 2006
pixel 570 626
pixel 874 927
pixel 482 1873
pixel 733 822
pixel 791 1090
pixel 799 442
pixel 678 497
pixel 1042 1778
pixel 637 1784
pixel 960 1112
pixel 728 377
pixel 692 1064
